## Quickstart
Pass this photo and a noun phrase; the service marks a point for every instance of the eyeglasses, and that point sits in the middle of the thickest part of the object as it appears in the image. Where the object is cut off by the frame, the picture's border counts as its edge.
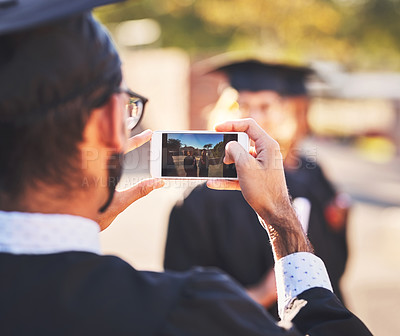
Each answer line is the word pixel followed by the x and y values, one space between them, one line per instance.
pixel 134 108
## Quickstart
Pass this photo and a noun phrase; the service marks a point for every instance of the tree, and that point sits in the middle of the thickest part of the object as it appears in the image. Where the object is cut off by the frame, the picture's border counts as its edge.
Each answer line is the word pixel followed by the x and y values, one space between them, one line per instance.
pixel 219 150
pixel 174 144
pixel 359 33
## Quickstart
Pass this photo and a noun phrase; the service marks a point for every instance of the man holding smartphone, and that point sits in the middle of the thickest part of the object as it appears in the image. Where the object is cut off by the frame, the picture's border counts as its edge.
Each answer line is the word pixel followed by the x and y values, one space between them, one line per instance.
pixel 63 119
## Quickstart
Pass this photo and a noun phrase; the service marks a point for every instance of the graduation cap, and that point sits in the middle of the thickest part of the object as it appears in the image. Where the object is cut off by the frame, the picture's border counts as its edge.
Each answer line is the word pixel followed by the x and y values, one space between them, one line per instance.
pixel 17 15
pixel 256 75
pixel 52 52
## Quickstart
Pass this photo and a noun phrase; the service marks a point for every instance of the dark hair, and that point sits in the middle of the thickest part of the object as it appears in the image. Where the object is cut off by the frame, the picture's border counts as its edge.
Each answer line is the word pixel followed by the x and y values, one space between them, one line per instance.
pixel 43 112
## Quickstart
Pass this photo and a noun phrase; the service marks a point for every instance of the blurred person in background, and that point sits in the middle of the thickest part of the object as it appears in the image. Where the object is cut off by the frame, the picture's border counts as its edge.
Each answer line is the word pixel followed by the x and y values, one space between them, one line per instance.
pixel 65 116
pixel 218 228
pixel 203 164
pixel 190 165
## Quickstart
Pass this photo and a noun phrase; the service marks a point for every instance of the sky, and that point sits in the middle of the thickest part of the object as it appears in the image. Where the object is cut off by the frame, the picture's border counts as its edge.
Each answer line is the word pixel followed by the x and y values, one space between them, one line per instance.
pixel 197 140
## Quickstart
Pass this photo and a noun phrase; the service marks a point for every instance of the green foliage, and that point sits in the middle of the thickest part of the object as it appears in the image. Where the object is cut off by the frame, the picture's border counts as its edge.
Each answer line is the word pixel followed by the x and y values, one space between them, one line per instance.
pixel 359 33
pixel 218 150
pixel 174 144
pixel 373 30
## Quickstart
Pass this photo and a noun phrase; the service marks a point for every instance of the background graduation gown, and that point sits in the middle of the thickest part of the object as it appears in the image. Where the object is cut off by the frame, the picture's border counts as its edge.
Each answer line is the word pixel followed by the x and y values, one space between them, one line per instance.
pixel 331 246
pixel 81 293
pixel 219 228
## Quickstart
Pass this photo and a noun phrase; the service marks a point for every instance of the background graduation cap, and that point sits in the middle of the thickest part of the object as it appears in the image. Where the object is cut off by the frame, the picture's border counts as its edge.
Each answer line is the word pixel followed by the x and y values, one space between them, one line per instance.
pixel 256 75
pixel 17 15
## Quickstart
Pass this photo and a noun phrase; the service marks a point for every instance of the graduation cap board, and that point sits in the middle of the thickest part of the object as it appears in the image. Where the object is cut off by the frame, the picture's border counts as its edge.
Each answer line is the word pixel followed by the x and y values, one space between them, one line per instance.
pixel 51 53
pixel 17 15
pixel 256 75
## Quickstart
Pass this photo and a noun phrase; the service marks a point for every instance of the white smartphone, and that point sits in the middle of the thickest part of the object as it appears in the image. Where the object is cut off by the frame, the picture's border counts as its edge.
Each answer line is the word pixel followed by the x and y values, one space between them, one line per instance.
pixel 193 154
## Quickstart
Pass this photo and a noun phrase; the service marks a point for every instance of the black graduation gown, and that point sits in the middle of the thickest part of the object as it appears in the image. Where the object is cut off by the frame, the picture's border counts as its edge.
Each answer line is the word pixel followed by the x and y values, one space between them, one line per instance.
pixel 79 293
pixel 190 166
pixel 310 182
pixel 219 228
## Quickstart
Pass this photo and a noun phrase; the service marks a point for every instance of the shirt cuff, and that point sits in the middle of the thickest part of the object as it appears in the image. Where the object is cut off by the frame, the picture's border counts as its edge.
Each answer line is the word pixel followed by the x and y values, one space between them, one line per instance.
pixel 297 273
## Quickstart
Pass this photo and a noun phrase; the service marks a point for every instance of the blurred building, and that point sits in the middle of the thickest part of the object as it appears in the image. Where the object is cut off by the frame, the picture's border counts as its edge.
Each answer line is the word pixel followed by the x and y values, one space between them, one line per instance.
pixel 356 104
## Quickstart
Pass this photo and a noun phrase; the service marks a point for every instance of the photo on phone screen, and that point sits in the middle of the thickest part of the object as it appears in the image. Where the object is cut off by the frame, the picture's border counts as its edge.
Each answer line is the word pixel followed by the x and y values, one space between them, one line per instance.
pixel 196 155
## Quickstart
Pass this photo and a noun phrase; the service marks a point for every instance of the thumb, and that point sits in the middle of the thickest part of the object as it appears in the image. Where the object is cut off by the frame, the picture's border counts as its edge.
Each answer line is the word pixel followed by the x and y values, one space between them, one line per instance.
pixel 122 199
pixel 235 153
pixel 139 190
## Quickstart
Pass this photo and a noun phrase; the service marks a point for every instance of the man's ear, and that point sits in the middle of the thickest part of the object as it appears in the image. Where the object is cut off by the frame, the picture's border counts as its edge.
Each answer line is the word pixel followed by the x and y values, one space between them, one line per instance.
pixel 111 124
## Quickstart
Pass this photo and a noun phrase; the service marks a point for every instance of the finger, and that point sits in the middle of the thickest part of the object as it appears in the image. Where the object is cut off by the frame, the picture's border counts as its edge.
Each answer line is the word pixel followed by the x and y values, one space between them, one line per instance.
pixel 223 184
pixel 139 190
pixel 248 126
pixel 235 153
pixel 138 140
pixel 252 152
pixel 122 199
pixel 261 139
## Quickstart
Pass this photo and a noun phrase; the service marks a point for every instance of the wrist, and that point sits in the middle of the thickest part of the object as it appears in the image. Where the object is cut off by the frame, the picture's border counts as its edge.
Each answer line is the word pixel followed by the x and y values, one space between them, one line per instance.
pixel 285 231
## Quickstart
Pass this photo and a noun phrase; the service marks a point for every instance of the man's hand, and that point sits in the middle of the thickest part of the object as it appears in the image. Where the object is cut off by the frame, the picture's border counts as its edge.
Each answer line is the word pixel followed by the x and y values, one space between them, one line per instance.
pixel 262 182
pixel 122 199
pixel 260 173
pixel 265 291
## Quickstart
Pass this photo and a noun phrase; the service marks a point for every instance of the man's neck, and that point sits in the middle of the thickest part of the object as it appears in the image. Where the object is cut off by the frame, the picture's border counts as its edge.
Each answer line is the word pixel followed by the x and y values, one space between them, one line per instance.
pixel 53 200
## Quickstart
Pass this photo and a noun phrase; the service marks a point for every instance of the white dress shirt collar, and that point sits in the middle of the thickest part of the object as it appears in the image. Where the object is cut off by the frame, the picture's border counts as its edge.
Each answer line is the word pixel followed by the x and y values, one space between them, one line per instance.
pixel 36 233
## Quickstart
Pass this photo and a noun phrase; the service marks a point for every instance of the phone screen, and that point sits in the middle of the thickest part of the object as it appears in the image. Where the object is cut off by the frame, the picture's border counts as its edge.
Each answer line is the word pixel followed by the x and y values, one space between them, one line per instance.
pixel 196 155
